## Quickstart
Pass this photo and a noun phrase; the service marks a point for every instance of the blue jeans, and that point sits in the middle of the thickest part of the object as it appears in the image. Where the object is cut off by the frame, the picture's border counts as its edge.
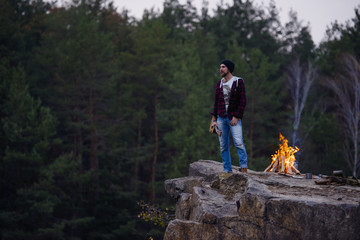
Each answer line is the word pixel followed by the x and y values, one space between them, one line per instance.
pixel 236 132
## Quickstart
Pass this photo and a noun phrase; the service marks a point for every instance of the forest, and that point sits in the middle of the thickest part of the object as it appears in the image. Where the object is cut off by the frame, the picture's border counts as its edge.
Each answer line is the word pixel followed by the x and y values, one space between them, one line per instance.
pixel 98 108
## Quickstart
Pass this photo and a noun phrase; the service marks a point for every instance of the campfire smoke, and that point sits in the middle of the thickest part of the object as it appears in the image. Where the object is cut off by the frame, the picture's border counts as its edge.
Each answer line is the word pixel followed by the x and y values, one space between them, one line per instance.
pixel 283 159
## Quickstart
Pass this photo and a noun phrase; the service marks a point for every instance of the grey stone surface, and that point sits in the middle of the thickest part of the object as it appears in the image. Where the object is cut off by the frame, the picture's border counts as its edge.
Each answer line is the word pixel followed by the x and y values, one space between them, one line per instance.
pixel 174 187
pixel 212 204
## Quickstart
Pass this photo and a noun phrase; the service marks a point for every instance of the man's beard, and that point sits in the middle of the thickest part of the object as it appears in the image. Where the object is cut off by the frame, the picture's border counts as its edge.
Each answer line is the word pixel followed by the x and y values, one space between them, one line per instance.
pixel 224 74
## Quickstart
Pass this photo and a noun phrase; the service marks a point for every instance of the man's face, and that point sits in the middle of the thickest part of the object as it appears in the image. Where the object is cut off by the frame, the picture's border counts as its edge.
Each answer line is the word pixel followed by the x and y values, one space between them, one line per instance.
pixel 223 70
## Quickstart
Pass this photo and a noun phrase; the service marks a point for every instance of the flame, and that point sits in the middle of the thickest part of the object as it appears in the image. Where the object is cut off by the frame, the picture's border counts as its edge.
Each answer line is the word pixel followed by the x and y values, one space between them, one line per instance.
pixel 284 158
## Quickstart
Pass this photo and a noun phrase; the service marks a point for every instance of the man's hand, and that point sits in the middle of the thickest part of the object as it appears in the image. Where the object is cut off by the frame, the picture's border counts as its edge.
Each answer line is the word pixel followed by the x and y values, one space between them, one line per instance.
pixel 234 121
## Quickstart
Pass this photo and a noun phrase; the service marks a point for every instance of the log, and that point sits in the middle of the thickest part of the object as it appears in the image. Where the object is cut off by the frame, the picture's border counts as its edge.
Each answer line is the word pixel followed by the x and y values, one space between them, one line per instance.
pixel 275 165
pixel 322 182
pixel 271 164
pixel 295 170
pixel 282 163
pixel 352 181
pixel 338 173
pixel 338 180
pixel 289 169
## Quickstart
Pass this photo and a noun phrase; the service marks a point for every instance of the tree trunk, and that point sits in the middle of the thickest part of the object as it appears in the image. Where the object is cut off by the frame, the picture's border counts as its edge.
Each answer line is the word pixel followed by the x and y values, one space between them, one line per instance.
pixel 251 133
pixel 156 147
pixel 300 80
pixel 94 163
pixel 78 141
pixel 346 85
pixel 356 154
pixel 137 163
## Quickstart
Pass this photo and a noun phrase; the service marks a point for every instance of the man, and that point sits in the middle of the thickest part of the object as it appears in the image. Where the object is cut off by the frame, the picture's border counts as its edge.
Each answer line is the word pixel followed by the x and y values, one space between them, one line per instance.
pixel 229 106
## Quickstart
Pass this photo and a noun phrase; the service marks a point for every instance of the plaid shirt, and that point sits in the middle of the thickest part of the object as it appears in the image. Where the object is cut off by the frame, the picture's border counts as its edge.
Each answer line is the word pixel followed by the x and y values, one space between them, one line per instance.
pixel 237 101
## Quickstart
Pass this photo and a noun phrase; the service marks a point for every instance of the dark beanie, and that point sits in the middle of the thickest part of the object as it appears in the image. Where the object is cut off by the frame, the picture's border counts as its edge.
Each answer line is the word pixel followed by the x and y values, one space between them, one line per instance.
pixel 229 64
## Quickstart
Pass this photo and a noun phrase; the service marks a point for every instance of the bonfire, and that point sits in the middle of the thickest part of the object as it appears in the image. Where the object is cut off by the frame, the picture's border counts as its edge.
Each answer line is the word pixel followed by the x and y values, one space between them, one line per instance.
pixel 283 160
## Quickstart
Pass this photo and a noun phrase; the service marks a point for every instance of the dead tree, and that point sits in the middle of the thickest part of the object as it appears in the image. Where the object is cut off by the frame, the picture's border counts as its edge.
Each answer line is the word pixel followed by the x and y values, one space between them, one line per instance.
pixel 346 86
pixel 299 80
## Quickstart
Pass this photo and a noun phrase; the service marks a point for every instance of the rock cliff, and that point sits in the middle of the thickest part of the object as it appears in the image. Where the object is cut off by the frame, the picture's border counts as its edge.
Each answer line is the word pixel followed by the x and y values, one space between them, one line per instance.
pixel 213 205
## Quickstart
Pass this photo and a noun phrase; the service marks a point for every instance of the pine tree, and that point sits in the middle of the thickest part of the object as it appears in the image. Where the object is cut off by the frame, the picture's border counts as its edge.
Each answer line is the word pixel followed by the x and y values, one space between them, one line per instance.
pixel 27 135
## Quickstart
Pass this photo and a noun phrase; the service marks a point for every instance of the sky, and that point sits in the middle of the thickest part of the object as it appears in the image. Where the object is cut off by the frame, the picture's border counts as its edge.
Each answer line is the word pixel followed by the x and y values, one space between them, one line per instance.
pixel 318 13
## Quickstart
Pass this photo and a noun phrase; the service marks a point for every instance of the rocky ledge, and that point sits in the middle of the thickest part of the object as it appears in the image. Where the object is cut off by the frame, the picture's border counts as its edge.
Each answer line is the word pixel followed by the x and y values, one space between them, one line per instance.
pixel 213 205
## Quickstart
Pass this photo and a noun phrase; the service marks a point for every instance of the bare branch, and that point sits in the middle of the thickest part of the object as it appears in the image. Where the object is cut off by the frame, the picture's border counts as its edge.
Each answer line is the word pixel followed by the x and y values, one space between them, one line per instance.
pixel 299 79
pixel 346 85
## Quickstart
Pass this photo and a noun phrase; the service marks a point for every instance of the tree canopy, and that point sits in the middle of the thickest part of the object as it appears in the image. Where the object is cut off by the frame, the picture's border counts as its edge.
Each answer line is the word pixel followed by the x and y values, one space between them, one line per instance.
pixel 99 108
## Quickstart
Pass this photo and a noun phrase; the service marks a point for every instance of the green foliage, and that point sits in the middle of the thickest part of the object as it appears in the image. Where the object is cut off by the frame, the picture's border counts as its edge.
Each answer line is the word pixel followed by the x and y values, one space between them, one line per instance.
pixel 340 39
pixel 193 89
pixel 27 134
pixel 156 216
pixel 321 156
pixel 98 109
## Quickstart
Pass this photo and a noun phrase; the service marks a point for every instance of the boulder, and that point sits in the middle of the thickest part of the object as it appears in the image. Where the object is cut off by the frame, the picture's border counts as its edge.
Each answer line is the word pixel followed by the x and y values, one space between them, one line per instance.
pixel 212 204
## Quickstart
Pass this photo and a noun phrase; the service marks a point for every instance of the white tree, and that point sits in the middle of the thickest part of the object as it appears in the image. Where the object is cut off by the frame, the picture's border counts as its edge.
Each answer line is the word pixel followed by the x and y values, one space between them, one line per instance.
pixel 346 86
pixel 299 80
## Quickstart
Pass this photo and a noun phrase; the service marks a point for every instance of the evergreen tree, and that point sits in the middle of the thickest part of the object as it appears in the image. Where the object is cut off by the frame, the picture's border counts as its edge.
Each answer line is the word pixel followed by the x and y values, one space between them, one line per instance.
pixel 192 91
pixel 97 109
pixel 80 57
pixel 153 52
pixel 248 26
pixel 27 136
